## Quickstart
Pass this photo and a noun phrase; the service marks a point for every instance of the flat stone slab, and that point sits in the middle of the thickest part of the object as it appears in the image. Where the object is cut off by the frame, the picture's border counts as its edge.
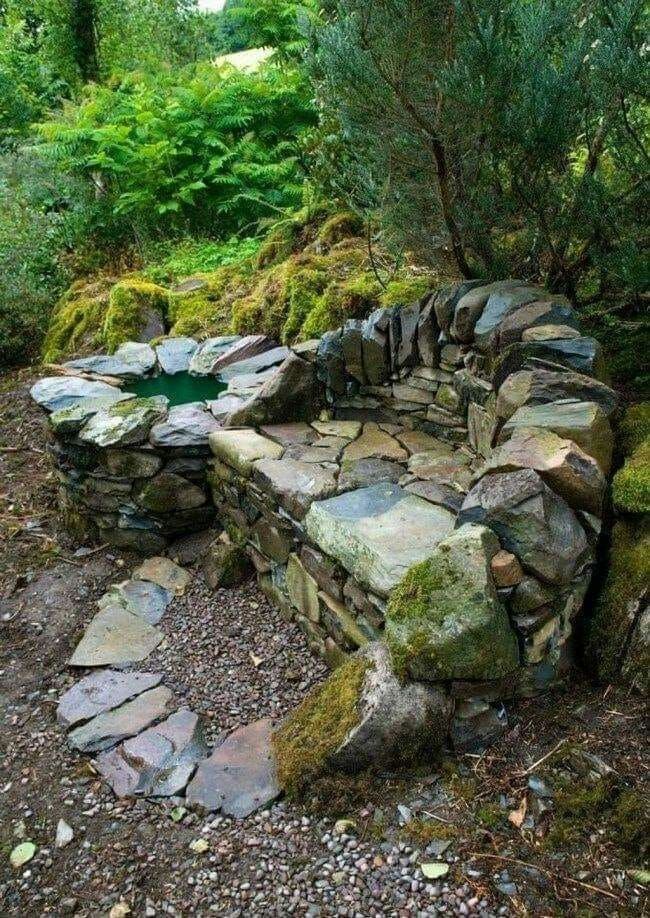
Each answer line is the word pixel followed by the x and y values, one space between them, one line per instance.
pixel 159 762
pixel 296 484
pixel 127 423
pixel 185 425
pixel 54 393
pixel 69 421
pixel 350 430
pixel 375 443
pixel 378 533
pixel 101 691
pixel 141 597
pixel 224 405
pixel 416 441
pixel 208 351
pixel 130 360
pixel 244 349
pixel 165 573
pixel 256 364
pixel 174 354
pixel 115 636
pixel 240 776
pixel 291 434
pixel 362 473
pixel 241 448
pixel 110 728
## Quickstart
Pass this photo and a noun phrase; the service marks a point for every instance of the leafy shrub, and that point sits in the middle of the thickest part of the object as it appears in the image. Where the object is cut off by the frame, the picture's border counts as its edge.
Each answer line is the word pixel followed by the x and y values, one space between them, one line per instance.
pixel 171 260
pixel 202 149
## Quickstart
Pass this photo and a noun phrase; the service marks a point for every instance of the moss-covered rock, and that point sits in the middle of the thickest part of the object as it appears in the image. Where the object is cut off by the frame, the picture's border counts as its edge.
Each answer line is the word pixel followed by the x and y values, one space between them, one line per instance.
pixel 201 305
pixel 631 487
pixel 444 620
pixel 613 648
pixel 136 311
pixel 634 428
pixel 226 565
pixel 77 324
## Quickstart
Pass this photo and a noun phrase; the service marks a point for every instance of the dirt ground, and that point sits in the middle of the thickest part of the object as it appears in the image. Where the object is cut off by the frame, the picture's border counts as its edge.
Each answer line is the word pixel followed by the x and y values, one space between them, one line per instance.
pixel 552 820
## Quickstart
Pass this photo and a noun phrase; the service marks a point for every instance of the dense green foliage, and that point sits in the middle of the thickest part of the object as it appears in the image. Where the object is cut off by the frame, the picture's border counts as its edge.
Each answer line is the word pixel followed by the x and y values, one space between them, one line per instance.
pixel 277 24
pixel 510 137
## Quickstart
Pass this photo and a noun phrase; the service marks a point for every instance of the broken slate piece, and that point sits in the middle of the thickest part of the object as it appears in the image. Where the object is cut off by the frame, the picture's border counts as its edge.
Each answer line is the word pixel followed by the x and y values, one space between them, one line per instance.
pixel 141 597
pixel 115 636
pixel 159 762
pixel 240 775
pixel 102 691
pixel 112 727
pixel 165 573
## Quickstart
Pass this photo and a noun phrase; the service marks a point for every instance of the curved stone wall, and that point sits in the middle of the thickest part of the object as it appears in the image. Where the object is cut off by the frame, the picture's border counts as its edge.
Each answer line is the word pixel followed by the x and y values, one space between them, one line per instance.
pixel 432 477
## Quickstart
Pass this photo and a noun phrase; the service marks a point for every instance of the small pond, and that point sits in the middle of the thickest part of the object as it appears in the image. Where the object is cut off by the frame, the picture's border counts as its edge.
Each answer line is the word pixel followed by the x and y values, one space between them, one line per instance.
pixel 180 388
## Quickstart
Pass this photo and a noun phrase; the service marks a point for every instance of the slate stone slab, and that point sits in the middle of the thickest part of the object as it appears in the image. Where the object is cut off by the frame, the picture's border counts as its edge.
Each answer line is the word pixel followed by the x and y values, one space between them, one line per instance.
pixel 240 776
pixel 331 362
pixel 582 355
pixel 377 533
pixel 225 405
pixel 295 484
pixel 375 443
pixel 292 392
pixel 125 424
pixel 102 691
pixel 351 342
pixel 165 573
pixel 499 304
pixel 111 727
pixel 349 430
pixel 256 364
pixel 68 421
pixel 141 597
pixel 159 762
pixel 115 636
pixel 532 522
pixel 374 347
pixel 208 351
pixel 185 425
pixel 428 333
pixel 241 448
pixel 244 349
pixel 54 393
pixel 174 354
pixel 290 434
pixel 361 473
pixel 438 493
pixel 130 361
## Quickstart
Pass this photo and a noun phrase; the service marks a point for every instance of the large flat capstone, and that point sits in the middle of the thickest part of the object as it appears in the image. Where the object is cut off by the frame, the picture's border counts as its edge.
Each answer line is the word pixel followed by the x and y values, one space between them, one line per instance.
pixel 378 533
pixel 110 728
pixel 241 448
pixel 54 393
pixel 127 423
pixel 130 361
pixel 185 425
pixel 115 636
pixel 102 691
pixel 174 354
pixel 240 776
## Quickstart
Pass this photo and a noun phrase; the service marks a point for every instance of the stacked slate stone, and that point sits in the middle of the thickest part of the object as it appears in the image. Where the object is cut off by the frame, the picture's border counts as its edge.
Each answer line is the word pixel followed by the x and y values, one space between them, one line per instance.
pixel 132 471
pixel 472 426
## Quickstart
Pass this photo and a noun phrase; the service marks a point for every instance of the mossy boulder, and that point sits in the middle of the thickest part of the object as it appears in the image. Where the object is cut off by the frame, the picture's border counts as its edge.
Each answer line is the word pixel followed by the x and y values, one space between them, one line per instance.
pixel 136 312
pixel 361 715
pixel 631 487
pixel 77 324
pixel 634 428
pixel 445 621
pixel 201 305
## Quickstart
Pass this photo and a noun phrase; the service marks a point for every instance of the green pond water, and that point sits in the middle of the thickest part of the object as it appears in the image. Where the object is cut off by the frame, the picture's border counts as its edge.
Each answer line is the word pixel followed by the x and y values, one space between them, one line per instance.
pixel 180 388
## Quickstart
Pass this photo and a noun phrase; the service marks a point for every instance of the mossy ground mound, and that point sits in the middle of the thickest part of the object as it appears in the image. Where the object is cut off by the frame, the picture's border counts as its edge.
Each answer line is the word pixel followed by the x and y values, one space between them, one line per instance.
pixel 631 487
pixel 318 727
pixel 311 273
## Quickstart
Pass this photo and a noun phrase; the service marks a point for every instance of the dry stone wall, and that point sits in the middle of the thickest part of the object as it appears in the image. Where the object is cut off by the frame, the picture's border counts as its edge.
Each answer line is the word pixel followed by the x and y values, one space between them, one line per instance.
pixel 432 478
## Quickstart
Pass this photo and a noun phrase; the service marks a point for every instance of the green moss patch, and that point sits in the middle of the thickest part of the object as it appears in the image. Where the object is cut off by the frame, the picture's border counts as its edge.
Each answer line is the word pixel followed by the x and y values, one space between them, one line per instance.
pixel 77 325
pixel 634 428
pixel 631 487
pixel 317 728
pixel 627 579
pixel 131 302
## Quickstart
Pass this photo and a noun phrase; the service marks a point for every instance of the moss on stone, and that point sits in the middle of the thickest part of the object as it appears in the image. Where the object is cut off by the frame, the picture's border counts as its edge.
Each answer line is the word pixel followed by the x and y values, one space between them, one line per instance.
pixel 634 428
pixel 407 290
pixel 206 310
pixel 421 832
pixel 130 302
pixel 627 579
pixel 631 486
pixel 77 324
pixel 340 226
pixel 309 737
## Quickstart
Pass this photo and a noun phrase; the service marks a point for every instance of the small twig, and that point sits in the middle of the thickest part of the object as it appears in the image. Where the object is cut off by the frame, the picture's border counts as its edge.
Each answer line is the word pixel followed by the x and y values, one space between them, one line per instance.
pixel 439 818
pixel 522 774
pixel 550 873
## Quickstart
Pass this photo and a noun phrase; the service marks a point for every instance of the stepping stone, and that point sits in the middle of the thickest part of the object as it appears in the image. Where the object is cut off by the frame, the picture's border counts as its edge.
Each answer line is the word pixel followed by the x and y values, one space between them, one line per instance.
pixel 115 636
pixel 68 421
pixel 207 352
pixel 101 691
pixel 240 775
pixel 141 597
pixel 315 454
pixel 111 727
pixel 298 434
pixel 375 443
pixel 174 354
pixel 159 762
pixel 185 425
pixel 378 533
pixel 416 441
pixel 452 470
pixel 127 423
pixel 54 393
pixel 365 472
pixel 165 573
pixel 241 448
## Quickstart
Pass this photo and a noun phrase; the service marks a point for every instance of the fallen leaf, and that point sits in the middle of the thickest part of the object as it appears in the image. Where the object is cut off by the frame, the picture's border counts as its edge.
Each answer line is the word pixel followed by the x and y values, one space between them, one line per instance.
pixel 199 845
pixel 435 870
pixel 516 817
pixel 22 853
